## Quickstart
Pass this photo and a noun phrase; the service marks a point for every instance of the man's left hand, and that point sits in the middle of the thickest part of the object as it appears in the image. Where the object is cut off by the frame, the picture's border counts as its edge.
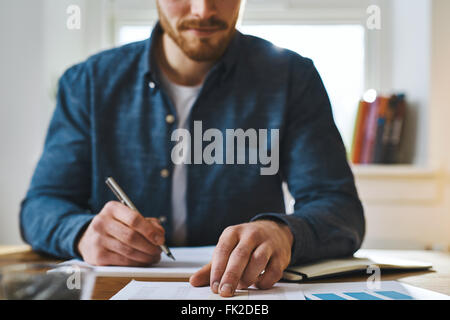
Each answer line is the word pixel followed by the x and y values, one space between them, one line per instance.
pixel 251 253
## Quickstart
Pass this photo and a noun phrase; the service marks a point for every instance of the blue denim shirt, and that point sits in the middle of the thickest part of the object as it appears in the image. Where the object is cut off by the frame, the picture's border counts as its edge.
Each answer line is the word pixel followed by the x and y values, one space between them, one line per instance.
pixel 110 122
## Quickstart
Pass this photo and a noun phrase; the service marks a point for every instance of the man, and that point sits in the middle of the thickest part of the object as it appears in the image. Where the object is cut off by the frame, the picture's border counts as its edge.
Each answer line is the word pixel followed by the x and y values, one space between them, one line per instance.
pixel 115 116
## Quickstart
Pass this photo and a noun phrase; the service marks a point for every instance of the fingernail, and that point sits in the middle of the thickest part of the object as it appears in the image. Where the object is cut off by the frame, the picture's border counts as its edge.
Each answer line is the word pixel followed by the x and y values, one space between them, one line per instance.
pixel 226 289
pixel 215 287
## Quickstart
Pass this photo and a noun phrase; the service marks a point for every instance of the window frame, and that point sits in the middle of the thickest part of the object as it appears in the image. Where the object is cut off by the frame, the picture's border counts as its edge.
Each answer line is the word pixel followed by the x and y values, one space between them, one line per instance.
pixel 294 12
pixel 122 18
pixel 319 15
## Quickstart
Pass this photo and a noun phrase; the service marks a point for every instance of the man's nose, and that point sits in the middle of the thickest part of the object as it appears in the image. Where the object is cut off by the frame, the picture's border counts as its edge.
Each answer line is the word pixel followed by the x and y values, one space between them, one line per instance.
pixel 203 9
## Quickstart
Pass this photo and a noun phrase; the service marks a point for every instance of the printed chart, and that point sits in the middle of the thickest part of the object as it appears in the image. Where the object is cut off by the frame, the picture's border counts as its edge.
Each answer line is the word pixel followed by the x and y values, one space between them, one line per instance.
pixel 383 290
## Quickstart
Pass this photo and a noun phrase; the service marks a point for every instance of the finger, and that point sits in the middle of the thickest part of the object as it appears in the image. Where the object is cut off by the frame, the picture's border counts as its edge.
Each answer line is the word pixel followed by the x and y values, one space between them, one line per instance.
pixel 227 241
pixel 134 220
pixel 159 233
pixel 201 277
pixel 130 237
pixel 156 223
pixel 271 275
pixel 154 232
pixel 237 263
pixel 257 264
pixel 131 253
pixel 111 258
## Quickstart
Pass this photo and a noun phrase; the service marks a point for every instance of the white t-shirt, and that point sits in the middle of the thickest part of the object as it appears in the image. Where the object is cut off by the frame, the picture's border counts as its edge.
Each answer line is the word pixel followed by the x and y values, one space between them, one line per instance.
pixel 183 98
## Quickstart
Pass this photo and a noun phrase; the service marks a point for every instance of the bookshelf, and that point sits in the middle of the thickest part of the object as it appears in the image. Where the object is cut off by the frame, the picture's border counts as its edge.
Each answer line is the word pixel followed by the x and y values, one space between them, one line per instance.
pixel 391 184
pixel 394 171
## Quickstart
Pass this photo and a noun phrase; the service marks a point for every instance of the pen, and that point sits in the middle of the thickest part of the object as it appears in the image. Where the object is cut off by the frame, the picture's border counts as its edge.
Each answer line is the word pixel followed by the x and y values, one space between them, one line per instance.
pixel 112 184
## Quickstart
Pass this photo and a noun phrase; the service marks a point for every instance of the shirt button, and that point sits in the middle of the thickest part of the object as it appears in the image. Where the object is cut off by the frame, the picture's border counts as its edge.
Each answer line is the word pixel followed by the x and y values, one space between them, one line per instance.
pixel 165 173
pixel 152 85
pixel 170 119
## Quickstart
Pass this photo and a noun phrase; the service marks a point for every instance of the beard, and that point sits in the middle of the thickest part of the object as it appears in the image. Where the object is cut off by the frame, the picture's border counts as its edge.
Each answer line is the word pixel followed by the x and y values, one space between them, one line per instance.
pixel 200 49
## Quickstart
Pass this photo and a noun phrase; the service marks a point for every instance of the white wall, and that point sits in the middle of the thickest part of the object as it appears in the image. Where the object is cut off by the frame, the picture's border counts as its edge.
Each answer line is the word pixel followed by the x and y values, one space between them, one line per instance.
pixel 439 147
pixel 410 207
pixel 440 102
pixel 411 38
pixel 22 123
pixel 36 47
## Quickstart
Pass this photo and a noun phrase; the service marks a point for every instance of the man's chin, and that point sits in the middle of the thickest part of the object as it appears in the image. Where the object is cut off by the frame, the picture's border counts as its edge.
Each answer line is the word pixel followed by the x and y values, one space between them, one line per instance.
pixel 201 39
pixel 203 50
pixel 206 55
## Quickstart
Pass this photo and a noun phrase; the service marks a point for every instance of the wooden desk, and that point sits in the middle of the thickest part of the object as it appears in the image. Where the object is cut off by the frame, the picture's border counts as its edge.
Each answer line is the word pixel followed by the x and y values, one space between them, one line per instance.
pixel 436 280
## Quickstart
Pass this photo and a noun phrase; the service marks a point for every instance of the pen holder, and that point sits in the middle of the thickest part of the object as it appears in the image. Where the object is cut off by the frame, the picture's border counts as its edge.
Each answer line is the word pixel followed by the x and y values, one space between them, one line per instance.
pixel 45 281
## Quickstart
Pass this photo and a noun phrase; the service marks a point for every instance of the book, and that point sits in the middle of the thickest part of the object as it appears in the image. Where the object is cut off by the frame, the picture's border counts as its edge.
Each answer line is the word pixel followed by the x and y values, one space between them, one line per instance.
pixel 370 132
pixel 378 149
pixel 361 261
pixel 378 130
pixel 393 136
pixel 360 127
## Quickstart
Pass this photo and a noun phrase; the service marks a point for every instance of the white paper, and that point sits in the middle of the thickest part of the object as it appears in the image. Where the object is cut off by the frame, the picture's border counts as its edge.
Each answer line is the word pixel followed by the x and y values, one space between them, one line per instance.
pixel 188 261
pixel 143 290
pixel 387 290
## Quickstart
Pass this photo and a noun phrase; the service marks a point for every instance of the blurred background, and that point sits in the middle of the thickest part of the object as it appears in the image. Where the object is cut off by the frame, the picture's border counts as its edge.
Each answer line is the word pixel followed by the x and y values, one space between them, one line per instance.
pixel 366 52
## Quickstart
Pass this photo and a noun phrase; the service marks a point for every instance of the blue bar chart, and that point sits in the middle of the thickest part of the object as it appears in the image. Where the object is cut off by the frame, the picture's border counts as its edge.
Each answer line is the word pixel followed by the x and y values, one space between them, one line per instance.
pixel 362 295
pixel 384 290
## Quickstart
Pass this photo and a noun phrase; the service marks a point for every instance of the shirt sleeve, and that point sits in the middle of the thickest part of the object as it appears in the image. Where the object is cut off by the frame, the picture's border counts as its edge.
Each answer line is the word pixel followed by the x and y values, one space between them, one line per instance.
pixel 328 219
pixel 56 209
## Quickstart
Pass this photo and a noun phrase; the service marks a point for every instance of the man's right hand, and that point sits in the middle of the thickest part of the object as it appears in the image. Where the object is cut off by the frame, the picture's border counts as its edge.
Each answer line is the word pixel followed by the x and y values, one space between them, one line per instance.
pixel 122 237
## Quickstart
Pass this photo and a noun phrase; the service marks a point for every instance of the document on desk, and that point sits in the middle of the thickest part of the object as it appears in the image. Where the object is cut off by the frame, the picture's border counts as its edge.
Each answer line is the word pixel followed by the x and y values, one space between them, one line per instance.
pixel 382 290
pixel 188 261
pixel 143 290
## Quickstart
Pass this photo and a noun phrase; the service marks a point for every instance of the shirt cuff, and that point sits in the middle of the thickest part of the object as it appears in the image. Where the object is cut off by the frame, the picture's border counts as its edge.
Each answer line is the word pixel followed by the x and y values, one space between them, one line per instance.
pixel 78 223
pixel 301 232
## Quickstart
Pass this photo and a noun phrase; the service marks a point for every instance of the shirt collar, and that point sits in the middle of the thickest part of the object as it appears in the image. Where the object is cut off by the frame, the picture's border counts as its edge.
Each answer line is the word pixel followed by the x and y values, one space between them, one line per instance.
pixel 148 65
pixel 231 54
pixel 225 63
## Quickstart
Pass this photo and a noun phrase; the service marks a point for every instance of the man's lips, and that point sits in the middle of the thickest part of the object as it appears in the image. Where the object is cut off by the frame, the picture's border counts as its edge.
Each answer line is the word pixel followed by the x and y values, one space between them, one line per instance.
pixel 204 31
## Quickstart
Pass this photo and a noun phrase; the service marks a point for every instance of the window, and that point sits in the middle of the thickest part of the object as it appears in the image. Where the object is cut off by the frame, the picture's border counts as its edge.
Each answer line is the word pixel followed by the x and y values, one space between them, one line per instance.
pixel 338 54
pixel 130 33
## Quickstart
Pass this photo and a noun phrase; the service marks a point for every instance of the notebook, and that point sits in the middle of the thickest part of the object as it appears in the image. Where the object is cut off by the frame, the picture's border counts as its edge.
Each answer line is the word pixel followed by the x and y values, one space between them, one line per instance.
pixel 361 261
pixel 191 259
pixel 188 261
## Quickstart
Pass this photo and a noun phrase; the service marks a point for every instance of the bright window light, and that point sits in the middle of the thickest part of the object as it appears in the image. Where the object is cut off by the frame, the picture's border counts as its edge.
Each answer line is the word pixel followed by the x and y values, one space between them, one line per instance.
pixel 337 52
pixel 370 95
pixel 128 34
